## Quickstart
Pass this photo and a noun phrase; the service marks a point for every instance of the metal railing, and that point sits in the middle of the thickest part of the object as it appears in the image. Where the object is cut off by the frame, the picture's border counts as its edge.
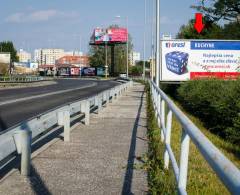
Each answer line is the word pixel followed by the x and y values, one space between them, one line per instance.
pixel 20 79
pixel 19 138
pixel 226 171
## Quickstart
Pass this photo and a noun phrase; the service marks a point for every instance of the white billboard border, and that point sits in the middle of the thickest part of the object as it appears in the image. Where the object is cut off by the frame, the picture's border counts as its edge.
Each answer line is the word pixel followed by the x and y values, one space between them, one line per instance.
pixel 163 40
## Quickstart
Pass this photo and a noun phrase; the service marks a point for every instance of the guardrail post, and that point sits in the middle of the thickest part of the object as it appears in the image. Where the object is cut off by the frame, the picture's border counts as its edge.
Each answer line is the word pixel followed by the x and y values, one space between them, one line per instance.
pixel 64 120
pixel 115 93
pixel 158 96
pixel 110 96
pixel 23 141
pixel 99 103
pixel 86 111
pixel 106 97
pixel 168 138
pixel 162 121
pixel 182 181
pixel 120 90
pixel 67 126
pixel 157 104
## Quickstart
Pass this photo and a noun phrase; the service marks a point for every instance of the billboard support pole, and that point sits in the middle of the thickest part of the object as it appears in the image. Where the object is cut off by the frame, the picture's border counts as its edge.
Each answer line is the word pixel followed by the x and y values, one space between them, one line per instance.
pixel 144 39
pixel 158 42
pixel 152 46
pixel 106 61
pixel 112 59
pixel 127 45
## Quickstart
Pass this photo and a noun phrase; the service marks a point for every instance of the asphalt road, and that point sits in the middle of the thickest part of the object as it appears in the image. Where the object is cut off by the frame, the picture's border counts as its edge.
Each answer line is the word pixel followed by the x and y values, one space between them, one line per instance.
pixel 16 112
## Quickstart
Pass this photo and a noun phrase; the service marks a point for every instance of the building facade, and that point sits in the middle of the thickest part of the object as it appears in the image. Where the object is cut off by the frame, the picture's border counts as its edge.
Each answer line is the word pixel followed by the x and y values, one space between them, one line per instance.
pixel 134 57
pixel 47 56
pixel 79 61
pixel 24 56
pixel 73 53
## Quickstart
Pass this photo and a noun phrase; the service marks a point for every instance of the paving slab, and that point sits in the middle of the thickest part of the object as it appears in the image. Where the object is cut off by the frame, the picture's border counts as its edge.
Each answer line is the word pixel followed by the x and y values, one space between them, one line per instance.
pixel 105 157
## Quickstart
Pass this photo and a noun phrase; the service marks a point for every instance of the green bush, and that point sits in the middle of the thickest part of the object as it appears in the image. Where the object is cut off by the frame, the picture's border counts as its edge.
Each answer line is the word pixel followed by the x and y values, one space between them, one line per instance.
pixel 170 89
pixel 216 103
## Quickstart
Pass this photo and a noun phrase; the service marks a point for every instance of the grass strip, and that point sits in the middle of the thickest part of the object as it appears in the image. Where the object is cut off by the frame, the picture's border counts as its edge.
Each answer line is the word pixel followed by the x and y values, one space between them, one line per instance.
pixel 160 181
pixel 201 178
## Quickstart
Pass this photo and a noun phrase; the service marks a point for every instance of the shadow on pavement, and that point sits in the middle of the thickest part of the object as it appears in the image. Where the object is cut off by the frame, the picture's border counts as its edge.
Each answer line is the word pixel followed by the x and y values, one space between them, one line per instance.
pixel 126 189
pixel 37 184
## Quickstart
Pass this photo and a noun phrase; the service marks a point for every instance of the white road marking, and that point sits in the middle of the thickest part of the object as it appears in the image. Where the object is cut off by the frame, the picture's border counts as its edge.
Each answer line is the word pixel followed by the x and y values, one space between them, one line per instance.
pixel 46 94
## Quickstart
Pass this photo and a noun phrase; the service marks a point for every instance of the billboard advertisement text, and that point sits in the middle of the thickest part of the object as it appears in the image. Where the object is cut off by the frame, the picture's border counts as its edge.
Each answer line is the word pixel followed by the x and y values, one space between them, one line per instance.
pixel 186 60
pixel 111 35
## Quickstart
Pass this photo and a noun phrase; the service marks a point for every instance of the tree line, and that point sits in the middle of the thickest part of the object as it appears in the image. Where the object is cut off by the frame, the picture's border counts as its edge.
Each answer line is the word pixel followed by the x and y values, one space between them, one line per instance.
pixel 221 19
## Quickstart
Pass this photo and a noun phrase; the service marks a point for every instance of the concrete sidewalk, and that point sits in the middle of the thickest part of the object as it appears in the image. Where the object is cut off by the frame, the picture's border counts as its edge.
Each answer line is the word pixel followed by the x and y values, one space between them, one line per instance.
pixel 102 158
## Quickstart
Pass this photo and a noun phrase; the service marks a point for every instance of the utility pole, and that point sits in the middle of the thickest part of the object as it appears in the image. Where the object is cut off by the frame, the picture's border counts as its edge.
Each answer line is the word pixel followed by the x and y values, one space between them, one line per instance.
pixel 152 46
pixel 127 45
pixel 80 44
pixel 157 42
pixel 144 38
pixel 106 61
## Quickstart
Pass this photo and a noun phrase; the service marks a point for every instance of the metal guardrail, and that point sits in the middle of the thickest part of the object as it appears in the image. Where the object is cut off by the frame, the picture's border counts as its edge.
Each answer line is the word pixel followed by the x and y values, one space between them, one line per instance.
pixel 20 79
pixel 226 171
pixel 19 138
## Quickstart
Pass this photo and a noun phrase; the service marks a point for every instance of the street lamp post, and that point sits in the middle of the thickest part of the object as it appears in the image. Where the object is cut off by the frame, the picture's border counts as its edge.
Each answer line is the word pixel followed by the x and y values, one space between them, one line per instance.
pixel 144 39
pixel 106 61
pixel 152 46
pixel 127 45
pixel 157 42
pixel 80 44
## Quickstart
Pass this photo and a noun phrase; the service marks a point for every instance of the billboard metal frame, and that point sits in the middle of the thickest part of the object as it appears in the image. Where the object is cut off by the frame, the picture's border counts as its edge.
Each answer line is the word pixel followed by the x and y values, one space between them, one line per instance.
pixel 164 40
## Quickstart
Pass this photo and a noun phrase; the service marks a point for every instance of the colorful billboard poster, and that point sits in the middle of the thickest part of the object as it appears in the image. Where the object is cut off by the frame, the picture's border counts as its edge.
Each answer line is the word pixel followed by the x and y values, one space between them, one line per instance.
pixel 5 58
pixel 88 71
pixel 75 71
pixel 118 35
pixel 187 60
pixel 111 35
pixel 100 71
pixel 100 36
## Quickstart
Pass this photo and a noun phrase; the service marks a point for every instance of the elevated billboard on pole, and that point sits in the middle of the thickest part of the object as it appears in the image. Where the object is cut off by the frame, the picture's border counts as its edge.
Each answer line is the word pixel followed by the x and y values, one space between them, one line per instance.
pixel 193 59
pixel 110 35
pixel 5 58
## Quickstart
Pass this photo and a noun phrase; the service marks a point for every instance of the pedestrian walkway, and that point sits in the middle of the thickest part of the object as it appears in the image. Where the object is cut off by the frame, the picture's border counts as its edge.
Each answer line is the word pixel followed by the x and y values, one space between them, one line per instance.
pixel 105 157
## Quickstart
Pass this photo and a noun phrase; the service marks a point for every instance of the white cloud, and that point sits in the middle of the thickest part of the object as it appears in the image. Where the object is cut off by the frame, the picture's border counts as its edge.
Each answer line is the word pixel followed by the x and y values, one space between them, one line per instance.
pixel 42 15
pixel 39 16
pixel 15 17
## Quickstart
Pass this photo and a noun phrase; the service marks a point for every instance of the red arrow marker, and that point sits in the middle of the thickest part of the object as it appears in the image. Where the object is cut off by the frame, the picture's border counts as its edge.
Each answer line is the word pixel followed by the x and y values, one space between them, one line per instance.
pixel 199 23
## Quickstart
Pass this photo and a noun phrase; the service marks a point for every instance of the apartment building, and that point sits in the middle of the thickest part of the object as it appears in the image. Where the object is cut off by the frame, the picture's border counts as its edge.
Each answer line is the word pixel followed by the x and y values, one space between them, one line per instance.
pixel 47 56
pixel 24 56
pixel 134 57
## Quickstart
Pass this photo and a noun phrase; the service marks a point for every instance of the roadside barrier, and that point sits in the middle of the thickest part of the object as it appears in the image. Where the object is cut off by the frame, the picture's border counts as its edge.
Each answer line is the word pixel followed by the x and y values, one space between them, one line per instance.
pixel 20 138
pixel 20 79
pixel 165 108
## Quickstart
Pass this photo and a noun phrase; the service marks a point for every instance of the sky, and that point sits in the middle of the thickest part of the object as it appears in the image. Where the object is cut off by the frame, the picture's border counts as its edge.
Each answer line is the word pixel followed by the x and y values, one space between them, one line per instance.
pixel 68 24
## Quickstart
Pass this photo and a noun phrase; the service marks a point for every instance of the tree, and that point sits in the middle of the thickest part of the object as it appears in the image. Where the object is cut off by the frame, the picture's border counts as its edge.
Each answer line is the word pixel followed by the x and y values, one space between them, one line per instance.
pixel 97 56
pixel 7 46
pixel 140 63
pixel 231 31
pixel 136 70
pixel 216 10
pixel 211 31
